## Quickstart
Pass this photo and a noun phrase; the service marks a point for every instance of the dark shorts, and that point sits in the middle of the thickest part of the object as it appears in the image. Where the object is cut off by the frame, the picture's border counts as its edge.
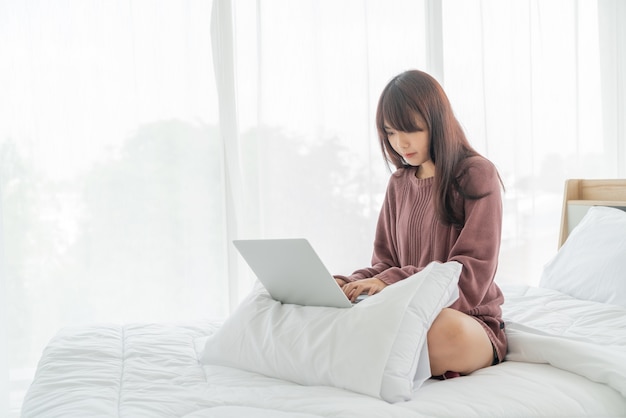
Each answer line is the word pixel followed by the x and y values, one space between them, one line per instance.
pixel 496 360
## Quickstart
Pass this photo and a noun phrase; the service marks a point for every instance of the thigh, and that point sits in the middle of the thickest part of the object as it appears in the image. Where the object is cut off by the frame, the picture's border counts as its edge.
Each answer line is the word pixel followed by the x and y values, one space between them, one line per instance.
pixel 458 342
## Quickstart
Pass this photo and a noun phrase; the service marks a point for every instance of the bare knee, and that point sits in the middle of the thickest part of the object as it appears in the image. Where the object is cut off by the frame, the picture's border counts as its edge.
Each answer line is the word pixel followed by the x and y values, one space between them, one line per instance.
pixel 447 328
pixel 457 342
pixel 445 340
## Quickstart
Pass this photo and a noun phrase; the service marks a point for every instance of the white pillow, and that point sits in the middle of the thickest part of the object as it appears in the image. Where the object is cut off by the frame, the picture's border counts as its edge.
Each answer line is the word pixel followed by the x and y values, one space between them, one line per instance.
pixel 591 264
pixel 377 347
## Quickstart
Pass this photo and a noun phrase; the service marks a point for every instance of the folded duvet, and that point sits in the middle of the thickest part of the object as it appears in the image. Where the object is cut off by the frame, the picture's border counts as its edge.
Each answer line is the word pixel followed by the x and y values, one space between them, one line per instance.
pixel 584 337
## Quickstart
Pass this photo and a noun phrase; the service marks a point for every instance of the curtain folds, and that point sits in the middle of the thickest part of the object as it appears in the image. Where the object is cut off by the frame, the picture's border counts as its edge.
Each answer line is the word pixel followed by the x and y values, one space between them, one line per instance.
pixel 224 64
pixel 612 41
pixel 139 138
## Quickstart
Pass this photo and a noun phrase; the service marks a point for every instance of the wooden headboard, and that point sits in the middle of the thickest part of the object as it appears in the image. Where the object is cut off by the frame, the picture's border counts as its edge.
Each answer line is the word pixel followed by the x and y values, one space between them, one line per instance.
pixel 580 195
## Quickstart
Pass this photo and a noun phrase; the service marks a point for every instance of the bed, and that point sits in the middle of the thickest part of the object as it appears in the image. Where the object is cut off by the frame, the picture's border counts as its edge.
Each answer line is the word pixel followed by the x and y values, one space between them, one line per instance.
pixel 567 347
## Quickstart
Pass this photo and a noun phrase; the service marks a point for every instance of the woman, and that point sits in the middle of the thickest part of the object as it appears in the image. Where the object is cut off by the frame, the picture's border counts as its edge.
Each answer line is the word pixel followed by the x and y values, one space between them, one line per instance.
pixel 443 203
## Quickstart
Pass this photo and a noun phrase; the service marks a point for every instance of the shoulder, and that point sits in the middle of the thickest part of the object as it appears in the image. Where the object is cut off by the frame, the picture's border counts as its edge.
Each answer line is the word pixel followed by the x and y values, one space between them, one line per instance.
pixel 400 182
pixel 401 176
pixel 477 164
pixel 403 172
pixel 478 175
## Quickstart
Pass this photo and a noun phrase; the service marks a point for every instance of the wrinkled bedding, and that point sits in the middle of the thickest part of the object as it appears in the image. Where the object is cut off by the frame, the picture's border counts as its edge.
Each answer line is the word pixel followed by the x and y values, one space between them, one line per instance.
pixel 566 359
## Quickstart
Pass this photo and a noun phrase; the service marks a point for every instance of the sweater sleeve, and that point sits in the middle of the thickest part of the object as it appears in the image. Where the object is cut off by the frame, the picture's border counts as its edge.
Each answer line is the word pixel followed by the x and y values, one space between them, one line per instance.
pixel 475 246
pixel 478 244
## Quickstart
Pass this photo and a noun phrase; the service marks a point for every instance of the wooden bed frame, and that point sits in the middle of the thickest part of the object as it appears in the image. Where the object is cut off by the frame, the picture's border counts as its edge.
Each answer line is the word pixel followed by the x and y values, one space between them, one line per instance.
pixel 581 194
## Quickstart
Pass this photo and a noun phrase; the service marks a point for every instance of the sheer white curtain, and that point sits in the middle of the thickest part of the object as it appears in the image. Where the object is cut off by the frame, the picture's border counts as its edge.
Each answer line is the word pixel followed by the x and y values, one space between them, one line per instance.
pixel 137 138
pixel 612 41
pixel 308 76
pixel 111 171
pixel 536 84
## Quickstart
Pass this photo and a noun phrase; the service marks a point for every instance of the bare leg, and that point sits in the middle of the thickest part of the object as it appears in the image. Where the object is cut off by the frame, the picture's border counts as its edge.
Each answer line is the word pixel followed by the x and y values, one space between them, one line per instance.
pixel 459 343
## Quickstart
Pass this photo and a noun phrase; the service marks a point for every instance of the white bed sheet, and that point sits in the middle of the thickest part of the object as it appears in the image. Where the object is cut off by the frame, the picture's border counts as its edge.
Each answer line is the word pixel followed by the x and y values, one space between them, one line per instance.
pixel 153 370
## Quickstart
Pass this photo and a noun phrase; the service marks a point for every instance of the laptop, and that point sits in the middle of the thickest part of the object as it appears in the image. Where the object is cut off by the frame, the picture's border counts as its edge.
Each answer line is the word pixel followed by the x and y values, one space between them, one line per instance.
pixel 291 272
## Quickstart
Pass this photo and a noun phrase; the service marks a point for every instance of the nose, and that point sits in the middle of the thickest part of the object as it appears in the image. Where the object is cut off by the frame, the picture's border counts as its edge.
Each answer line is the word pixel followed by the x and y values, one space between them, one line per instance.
pixel 401 140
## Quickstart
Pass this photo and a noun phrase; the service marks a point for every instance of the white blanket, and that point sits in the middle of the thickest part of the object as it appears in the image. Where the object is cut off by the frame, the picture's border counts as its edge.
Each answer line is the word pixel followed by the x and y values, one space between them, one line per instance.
pixel 583 337
pixel 153 371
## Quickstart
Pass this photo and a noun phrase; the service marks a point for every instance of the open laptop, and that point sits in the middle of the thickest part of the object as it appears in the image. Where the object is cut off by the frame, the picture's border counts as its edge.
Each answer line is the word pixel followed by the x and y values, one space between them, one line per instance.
pixel 292 272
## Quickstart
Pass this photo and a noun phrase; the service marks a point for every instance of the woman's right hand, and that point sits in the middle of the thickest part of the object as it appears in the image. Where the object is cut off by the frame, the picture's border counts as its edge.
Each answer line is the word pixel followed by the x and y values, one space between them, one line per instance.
pixel 365 286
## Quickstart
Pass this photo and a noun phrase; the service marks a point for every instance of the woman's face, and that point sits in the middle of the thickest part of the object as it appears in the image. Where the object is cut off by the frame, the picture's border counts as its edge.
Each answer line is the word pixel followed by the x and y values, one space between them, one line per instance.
pixel 413 146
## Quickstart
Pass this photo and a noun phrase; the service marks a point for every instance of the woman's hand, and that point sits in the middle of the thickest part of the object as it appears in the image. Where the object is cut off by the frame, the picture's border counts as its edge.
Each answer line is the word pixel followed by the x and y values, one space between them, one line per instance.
pixel 368 286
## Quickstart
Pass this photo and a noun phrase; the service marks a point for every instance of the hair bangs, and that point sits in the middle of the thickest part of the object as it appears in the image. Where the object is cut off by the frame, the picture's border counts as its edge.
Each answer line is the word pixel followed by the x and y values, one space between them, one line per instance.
pixel 399 111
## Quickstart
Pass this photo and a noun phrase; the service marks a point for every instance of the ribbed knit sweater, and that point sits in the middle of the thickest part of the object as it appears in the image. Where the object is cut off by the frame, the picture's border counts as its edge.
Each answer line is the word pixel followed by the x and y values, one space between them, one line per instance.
pixel 409 235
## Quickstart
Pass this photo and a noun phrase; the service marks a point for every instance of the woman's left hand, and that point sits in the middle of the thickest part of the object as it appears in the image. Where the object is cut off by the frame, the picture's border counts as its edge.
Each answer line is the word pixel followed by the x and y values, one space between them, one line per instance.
pixel 368 286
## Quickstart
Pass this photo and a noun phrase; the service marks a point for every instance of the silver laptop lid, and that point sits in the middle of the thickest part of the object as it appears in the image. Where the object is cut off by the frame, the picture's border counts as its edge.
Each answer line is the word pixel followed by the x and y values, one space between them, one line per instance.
pixel 292 272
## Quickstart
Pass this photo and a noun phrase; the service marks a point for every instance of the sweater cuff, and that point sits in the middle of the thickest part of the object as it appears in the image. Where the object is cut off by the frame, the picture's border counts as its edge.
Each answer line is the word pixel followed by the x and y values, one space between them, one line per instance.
pixel 391 275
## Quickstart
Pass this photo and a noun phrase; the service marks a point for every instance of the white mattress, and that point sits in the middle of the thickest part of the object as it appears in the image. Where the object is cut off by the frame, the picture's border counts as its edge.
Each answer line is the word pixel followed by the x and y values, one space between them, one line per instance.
pixel 152 370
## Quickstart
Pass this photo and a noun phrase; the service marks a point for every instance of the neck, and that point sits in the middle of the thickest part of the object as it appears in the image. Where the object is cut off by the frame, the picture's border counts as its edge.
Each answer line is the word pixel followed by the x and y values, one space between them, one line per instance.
pixel 425 170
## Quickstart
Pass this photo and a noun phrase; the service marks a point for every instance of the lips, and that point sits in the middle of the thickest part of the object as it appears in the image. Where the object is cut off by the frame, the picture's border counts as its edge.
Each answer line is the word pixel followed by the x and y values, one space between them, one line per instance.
pixel 411 155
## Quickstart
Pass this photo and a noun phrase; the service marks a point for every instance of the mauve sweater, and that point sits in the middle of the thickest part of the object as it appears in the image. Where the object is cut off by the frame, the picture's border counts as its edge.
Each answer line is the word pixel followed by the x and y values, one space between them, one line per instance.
pixel 409 235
